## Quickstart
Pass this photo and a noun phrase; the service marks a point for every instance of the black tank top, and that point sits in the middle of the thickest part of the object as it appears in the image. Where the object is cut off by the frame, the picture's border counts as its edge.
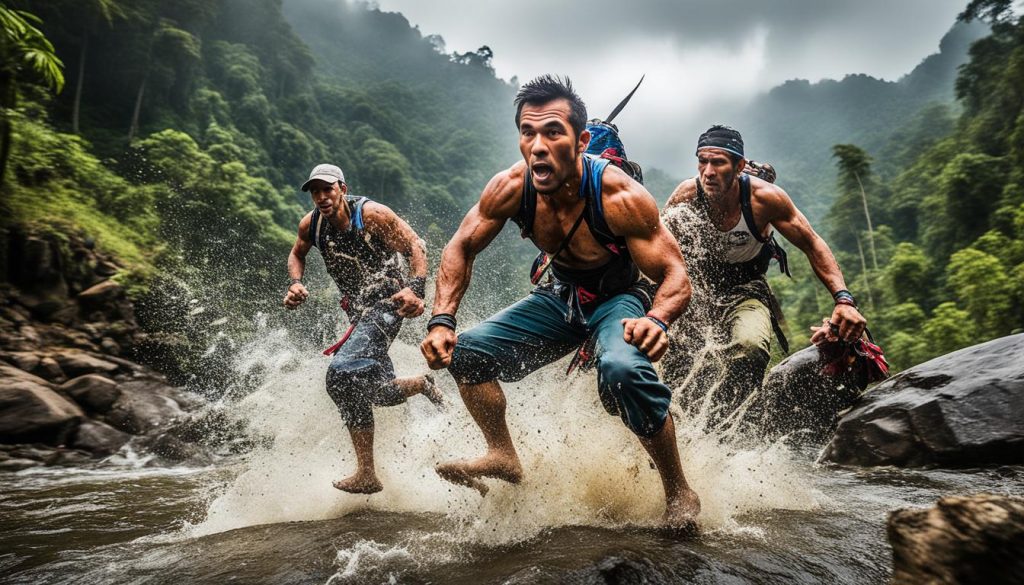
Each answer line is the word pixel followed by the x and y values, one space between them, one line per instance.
pixel 365 269
pixel 620 272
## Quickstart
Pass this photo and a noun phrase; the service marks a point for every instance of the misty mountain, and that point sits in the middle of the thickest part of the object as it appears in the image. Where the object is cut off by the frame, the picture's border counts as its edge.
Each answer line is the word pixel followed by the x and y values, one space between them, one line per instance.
pixel 795 125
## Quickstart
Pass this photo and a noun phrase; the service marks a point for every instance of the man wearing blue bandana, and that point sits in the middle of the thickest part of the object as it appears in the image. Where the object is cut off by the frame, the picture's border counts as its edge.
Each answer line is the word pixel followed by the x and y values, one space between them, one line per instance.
pixel 731 217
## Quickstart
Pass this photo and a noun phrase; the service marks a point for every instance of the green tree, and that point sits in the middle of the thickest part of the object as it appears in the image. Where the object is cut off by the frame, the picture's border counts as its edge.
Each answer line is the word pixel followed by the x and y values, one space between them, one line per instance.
pixel 949 329
pixel 25 55
pixel 981 283
pixel 908 275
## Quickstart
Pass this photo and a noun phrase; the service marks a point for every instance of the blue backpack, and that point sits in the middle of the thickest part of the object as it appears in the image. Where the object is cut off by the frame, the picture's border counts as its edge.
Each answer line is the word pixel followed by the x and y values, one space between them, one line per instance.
pixel 605 142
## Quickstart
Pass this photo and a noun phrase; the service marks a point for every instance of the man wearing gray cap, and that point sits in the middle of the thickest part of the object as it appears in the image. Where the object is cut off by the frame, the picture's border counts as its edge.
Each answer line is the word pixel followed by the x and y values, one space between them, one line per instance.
pixel 732 215
pixel 363 244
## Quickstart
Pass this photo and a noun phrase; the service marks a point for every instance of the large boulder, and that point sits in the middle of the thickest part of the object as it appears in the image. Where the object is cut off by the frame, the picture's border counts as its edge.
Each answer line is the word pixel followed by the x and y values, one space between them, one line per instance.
pixel 798 398
pixel 76 363
pixel 961 409
pixel 93 392
pixel 974 539
pixel 144 406
pixel 99 438
pixel 30 412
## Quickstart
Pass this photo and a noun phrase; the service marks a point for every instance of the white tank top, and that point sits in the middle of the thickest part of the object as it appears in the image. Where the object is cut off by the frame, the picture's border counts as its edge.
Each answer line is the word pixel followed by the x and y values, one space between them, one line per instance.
pixel 739 243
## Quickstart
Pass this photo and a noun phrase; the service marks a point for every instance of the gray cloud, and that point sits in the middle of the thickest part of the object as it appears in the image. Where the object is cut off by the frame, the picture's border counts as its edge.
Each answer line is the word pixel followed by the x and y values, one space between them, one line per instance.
pixel 696 54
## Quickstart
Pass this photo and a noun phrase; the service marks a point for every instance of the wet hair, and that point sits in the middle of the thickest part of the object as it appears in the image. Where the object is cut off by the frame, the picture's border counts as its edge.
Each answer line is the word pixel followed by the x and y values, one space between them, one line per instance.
pixel 724 138
pixel 548 88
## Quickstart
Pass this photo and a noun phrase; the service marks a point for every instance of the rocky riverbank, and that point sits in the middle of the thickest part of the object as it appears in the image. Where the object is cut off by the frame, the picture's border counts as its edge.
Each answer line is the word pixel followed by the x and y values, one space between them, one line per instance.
pixel 68 393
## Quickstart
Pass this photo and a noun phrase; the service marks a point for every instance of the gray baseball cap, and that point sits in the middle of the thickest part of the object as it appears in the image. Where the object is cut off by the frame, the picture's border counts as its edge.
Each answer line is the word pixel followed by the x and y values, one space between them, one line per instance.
pixel 325 172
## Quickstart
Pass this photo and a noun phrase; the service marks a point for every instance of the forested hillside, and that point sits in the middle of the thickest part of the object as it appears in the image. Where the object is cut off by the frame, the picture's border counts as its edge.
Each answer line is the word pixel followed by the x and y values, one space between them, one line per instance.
pixel 942 264
pixel 795 124
pixel 184 129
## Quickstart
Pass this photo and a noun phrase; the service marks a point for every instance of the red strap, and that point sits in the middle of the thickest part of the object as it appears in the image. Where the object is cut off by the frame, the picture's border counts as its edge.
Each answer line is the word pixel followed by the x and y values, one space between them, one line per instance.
pixel 334 348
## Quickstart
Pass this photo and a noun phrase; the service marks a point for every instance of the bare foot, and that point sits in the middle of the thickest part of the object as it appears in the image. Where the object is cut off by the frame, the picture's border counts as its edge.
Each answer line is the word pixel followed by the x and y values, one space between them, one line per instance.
pixel 359 484
pixel 432 392
pixel 494 464
pixel 681 513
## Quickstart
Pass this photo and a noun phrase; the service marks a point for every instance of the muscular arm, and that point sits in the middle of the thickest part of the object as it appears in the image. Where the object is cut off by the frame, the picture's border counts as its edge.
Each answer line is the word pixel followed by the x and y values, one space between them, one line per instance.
pixel 792 224
pixel 297 292
pixel 846 321
pixel 398 235
pixel 632 213
pixel 498 202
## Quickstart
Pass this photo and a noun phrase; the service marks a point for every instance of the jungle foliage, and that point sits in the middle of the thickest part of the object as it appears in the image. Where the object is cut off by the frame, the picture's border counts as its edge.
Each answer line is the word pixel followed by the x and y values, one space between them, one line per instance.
pixel 942 265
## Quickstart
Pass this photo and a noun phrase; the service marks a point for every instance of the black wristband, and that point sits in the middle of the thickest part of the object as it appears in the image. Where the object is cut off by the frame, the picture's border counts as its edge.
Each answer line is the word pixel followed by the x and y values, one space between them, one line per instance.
pixel 295 281
pixel 442 320
pixel 418 285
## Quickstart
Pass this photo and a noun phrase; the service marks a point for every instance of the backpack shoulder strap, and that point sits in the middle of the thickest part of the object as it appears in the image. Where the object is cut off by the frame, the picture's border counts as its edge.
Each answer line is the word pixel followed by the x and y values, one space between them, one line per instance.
pixel 748 209
pixel 355 207
pixel 593 171
pixel 527 207
pixel 315 232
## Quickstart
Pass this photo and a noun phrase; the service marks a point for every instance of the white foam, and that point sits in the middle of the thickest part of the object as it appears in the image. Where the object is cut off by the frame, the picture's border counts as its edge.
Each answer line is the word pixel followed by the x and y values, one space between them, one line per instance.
pixel 582 466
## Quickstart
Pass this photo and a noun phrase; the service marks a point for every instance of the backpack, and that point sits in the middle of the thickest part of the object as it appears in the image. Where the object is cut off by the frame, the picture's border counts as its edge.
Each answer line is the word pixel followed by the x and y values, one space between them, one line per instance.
pixel 605 142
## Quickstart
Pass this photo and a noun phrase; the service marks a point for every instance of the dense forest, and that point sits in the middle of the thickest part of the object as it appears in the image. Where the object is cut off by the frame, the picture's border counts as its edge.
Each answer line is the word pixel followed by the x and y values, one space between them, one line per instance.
pixel 930 231
pixel 184 129
pixel 175 135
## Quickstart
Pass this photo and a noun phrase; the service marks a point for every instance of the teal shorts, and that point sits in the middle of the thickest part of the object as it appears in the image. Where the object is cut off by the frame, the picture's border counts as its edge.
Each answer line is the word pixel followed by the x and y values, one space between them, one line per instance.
pixel 533 333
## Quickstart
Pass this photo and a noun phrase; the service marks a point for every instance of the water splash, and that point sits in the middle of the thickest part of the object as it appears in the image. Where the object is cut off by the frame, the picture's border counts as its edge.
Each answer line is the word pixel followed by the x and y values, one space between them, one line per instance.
pixel 582 467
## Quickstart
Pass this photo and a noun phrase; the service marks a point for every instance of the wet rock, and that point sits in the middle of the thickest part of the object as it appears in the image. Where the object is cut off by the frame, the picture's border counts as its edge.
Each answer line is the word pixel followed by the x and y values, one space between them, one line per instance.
pixel 42 454
pixel 101 294
pixel 23 360
pixel 143 406
pixel 15 464
pixel 77 363
pixel 30 334
pixel 797 396
pixel 105 268
pixel 49 369
pixel 973 539
pixel 172 448
pixel 99 438
pixel 11 373
pixel 92 392
pixel 31 412
pixel 961 409
pixel 72 458
pixel 14 315
pixel 110 346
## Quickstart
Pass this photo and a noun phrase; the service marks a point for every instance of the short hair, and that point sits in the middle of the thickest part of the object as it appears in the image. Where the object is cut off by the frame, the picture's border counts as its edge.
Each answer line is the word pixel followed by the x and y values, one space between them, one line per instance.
pixel 547 88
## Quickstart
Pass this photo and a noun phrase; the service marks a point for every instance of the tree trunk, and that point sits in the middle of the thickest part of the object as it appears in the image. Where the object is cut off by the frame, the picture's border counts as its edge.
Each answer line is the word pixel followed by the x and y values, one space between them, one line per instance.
pixel 8 101
pixel 867 216
pixel 864 271
pixel 79 82
pixel 134 128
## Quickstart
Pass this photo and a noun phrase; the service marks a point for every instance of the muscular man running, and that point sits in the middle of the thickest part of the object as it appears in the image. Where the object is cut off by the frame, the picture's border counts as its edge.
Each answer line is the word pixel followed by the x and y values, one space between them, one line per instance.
pixel 361 242
pixel 603 230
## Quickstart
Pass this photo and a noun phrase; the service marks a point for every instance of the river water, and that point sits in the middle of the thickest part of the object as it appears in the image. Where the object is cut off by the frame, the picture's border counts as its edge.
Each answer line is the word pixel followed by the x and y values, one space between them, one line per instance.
pixel 586 512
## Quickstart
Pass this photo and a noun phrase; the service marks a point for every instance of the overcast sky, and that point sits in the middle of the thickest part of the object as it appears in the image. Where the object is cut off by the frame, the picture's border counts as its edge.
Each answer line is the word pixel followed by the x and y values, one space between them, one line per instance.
pixel 693 53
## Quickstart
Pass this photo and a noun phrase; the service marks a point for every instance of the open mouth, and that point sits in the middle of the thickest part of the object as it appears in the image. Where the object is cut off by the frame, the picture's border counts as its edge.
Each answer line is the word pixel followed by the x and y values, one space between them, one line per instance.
pixel 541 171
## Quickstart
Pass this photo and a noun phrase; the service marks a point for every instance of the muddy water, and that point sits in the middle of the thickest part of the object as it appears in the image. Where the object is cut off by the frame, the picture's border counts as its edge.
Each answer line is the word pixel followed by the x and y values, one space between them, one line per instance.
pixel 586 513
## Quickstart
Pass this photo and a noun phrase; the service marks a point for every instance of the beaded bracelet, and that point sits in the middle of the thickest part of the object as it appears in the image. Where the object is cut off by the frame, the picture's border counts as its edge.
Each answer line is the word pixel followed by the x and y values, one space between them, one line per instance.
pixel 844 297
